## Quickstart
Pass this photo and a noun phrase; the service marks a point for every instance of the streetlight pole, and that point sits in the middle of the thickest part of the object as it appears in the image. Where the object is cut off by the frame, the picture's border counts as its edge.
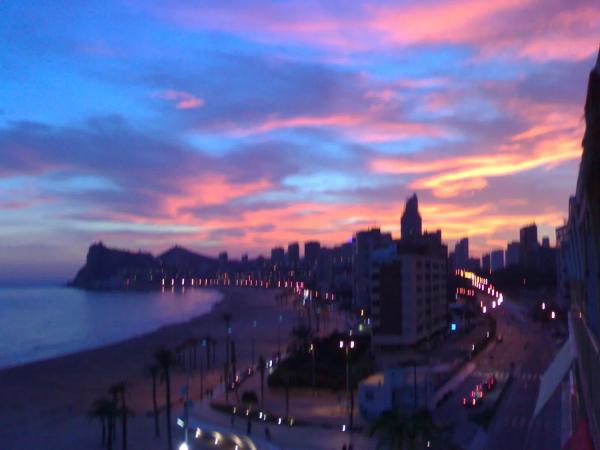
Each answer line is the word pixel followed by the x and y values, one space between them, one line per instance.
pixel 279 337
pixel 253 338
pixel 186 406
pixel 347 346
pixel 314 369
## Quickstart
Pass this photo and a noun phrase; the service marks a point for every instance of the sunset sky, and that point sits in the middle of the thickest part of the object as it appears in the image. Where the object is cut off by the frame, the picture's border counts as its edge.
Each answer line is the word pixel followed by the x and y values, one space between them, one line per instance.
pixel 241 125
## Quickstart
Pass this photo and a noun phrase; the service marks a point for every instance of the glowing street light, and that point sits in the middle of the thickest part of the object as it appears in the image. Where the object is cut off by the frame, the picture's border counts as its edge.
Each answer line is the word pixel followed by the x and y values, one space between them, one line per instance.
pixel 553 315
pixel 183 446
pixel 543 306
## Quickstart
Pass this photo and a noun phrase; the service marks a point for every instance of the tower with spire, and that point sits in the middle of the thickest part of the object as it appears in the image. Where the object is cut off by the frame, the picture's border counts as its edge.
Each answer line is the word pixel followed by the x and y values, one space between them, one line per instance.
pixel 410 222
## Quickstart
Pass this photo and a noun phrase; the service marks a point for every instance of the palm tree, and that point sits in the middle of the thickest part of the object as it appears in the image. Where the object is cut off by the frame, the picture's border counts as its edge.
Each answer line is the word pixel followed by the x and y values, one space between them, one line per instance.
pixel 165 361
pixel 118 393
pixel 261 368
pixel 104 409
pixel 153 372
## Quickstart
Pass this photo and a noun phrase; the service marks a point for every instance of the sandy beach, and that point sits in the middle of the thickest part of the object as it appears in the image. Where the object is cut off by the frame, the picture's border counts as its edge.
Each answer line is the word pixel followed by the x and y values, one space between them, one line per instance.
pixel 44 405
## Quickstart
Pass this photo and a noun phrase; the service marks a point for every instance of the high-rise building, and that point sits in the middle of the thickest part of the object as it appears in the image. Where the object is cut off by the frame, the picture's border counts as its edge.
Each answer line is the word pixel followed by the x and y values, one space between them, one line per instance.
pixel 277 256
pixel 578 362
pixel 293 254
pixel 512 258
pixel 311 252
pixel 486 263
pixel 496 260
pixel 461 254
pixel 545 242
pixel 363 246
pixel 409 300
pixel 474 264
pixel 410 222
pixel 529 246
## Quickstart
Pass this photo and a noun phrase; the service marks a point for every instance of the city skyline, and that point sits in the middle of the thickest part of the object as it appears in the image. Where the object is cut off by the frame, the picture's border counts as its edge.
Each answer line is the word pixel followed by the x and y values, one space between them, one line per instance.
pixel 244 129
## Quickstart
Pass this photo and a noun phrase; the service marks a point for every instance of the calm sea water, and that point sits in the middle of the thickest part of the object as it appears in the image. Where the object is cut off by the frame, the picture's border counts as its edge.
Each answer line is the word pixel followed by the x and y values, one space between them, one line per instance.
pixel 43 322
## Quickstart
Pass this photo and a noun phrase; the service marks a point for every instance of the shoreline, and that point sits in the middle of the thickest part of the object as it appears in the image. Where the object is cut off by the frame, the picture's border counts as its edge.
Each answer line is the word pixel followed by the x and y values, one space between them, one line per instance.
pixel 165 328
pixel 119 340
pixel 46 403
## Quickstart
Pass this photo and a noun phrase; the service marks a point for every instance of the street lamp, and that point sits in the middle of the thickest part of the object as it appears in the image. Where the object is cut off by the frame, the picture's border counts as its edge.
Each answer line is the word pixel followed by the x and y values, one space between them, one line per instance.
pixel 279 336
pixel 254 323
pixel 348 345
pixel 183 446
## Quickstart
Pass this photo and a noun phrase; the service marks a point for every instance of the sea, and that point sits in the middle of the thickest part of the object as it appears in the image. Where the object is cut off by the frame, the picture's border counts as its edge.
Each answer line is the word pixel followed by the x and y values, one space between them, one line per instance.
pixel 37 323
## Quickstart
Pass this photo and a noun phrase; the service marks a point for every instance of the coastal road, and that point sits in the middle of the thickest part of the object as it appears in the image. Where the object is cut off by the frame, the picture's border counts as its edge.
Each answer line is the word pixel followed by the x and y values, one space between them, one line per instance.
pixel 532 347
pixel 524 354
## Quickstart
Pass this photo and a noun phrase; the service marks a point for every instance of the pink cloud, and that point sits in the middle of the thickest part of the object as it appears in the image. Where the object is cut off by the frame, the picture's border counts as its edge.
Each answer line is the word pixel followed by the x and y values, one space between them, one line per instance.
pixel 361 127
pixel 183 100
pixel 535 29
pixel 208 190
pixel 452 176
pixel 432 22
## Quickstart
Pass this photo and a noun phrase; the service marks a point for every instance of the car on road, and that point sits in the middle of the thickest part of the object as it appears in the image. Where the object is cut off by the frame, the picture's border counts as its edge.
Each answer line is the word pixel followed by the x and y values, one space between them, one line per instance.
pixel 490 383
pixel 470 402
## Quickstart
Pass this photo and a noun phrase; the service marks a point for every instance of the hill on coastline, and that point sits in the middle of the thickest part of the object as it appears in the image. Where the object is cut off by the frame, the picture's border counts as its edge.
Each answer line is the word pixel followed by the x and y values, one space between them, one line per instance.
pixel 109 268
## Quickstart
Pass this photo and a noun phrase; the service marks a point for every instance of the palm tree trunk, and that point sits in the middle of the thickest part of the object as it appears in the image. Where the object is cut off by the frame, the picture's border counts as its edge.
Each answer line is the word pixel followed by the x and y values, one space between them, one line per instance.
pixel 124 419
pixel 168 387
pixel 109 437
pixel 155 406
pixel 103 423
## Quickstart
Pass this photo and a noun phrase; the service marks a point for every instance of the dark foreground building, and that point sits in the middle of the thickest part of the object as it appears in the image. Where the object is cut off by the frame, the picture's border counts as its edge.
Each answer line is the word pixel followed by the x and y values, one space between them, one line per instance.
pixel 579 260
